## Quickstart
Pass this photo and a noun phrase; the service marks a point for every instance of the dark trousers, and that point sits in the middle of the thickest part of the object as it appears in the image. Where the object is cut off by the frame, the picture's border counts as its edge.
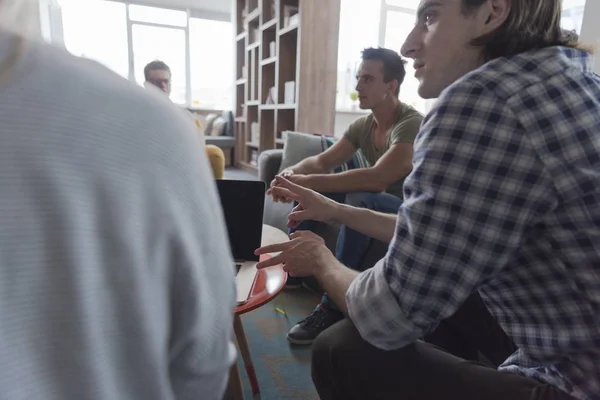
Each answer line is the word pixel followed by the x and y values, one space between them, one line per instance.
pixel 442 366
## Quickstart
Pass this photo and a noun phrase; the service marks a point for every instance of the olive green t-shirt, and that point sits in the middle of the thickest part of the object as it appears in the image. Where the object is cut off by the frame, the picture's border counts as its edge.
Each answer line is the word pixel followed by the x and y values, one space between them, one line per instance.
pixel 404 130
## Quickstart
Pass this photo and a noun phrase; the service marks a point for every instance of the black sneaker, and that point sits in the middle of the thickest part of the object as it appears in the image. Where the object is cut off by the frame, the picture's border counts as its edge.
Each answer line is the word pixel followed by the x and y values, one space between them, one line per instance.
pixel 293 283
pixel 307 330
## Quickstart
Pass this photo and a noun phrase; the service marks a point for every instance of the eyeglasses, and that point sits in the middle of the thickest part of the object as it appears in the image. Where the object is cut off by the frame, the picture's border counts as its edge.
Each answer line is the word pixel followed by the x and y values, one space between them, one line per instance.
pixel 159 82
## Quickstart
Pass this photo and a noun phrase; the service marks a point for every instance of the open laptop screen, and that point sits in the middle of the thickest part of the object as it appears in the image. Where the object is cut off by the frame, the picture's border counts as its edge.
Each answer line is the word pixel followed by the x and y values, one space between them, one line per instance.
pixel 243 205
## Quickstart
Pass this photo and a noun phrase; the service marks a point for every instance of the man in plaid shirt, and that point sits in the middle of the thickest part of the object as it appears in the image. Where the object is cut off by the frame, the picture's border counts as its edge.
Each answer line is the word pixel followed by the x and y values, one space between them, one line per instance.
pixel 501 213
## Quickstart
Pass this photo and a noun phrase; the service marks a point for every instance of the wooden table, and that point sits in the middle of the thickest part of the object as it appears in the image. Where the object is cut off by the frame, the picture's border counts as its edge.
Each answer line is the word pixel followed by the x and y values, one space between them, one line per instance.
pixel 268 284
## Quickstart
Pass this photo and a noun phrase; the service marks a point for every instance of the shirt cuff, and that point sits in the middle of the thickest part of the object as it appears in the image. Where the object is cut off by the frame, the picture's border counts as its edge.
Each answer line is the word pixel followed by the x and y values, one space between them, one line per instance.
pixel 375 312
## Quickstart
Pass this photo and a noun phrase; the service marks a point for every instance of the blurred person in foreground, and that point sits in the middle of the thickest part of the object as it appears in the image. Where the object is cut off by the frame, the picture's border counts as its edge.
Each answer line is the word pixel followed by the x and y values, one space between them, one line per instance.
pixel 116 278
pixel 157 75
pixel 498 237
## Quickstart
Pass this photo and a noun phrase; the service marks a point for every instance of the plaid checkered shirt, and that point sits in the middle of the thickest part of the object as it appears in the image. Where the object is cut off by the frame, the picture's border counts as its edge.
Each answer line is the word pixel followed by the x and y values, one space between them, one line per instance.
pixel 504 199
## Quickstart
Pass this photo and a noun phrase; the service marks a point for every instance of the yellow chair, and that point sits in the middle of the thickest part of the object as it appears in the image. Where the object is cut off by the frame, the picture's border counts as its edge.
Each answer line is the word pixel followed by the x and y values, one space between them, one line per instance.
pixel 216 157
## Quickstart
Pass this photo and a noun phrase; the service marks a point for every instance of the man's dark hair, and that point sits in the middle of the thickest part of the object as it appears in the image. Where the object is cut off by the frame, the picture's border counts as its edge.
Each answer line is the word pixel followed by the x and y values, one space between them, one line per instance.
pixel 393 64
pixel 155 65
pixel 530 25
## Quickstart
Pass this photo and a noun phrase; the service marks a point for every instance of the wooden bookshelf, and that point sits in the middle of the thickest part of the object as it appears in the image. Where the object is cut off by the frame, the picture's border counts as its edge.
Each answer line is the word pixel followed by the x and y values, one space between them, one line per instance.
pixel 273 47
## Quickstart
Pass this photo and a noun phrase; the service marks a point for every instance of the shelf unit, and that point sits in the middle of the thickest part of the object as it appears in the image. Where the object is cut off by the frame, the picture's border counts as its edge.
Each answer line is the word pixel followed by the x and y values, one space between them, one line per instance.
pixel 274 47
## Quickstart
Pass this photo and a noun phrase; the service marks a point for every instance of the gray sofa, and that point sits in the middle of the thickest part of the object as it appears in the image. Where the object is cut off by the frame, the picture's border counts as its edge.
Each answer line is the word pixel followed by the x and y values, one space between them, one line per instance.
pixel 271 162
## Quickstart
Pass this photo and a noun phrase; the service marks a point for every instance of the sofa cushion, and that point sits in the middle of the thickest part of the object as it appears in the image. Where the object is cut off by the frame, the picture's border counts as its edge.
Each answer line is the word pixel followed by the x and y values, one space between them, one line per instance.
pixel 218 126
pixel 209 120
pixel 358 160
pixel 297 147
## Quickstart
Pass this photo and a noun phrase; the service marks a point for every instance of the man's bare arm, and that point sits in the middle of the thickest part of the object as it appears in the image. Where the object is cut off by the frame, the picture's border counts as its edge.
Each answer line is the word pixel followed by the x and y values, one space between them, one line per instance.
pixel 306 254
pixel 377 225
pixel 394 165
pixel 335 280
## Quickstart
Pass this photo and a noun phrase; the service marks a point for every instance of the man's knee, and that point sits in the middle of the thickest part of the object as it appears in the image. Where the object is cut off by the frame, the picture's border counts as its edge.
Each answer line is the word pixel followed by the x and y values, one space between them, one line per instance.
pixel 358 199
pixel 326 349
pixel 335 341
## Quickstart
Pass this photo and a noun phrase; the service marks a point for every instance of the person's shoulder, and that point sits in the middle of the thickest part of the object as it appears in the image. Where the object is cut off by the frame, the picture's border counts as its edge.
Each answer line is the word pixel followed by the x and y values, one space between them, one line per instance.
pixel 363 120
pixel 358 126
pixel 511 76
pixel 407 125
pixel 409 113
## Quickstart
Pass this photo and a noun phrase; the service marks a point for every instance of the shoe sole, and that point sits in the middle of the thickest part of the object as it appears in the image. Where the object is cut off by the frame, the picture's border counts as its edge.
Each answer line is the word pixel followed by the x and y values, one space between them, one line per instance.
pixel 301 342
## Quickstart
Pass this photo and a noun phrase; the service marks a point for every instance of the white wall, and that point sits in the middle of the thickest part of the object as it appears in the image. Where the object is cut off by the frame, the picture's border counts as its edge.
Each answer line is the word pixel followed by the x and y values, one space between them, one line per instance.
pixel 590 29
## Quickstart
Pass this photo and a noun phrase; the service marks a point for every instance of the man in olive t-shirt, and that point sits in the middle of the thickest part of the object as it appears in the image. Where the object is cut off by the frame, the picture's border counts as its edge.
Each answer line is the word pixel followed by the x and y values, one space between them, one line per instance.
pixel 404 130
pixel 386 138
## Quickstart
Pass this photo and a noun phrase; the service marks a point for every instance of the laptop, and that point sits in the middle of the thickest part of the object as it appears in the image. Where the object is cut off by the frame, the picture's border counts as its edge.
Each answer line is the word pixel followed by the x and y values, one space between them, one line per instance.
pixel 243 206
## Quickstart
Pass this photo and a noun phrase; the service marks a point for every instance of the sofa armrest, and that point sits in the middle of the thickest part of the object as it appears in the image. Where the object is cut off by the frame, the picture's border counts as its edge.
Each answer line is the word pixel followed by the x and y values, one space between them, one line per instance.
pixel 269 162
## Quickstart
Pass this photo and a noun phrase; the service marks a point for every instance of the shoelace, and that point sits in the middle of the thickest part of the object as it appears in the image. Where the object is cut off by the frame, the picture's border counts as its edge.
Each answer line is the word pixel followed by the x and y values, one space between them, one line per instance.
pixel 315 318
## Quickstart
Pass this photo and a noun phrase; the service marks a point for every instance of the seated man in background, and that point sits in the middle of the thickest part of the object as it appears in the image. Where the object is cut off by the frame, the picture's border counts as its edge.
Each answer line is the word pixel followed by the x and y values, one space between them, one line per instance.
pixel 158 74
pixel 116 274
pixel 386 138
pixel 503 204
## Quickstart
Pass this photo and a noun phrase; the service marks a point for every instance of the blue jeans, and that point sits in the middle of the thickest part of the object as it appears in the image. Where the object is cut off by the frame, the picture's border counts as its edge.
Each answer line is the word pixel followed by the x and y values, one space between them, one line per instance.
pixel 351 245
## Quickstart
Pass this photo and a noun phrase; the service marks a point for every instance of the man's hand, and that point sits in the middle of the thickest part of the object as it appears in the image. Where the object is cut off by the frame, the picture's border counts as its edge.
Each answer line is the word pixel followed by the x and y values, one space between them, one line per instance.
pixel 286 173
pixel 311 205
pixel 299 179
pixel 304 255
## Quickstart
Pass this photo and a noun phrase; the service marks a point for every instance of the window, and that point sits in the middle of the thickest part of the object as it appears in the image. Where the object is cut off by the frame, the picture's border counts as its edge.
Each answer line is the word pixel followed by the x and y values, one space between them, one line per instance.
pixel 398 26
pixel 359 21
pixel 196 49
pixel 365 23
pixel 85 34
pixel 572 15
pixel 212 63
pixel 411 4
pixel 166 44
pixel 155 15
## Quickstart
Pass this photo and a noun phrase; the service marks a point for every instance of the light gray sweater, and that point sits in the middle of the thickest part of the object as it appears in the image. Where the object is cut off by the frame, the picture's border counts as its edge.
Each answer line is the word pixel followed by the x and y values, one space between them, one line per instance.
pixel 116 277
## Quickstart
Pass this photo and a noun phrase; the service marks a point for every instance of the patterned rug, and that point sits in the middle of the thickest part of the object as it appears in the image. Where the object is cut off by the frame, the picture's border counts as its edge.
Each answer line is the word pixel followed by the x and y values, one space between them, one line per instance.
pixel 283 369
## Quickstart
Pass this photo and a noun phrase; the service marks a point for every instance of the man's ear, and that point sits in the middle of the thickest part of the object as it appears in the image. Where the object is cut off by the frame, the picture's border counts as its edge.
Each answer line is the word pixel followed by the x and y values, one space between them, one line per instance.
pixel 494 14
pixel 393 84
